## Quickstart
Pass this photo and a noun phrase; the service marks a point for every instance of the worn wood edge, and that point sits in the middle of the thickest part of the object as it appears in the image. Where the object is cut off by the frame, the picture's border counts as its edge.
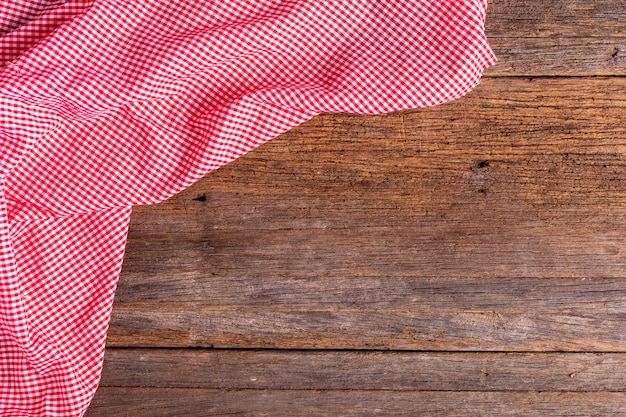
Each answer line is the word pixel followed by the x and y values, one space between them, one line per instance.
pixel 139 402
pixel 333 370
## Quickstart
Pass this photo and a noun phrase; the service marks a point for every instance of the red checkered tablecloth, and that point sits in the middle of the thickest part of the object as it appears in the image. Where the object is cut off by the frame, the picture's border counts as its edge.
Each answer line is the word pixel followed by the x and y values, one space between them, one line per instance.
pixel 109 104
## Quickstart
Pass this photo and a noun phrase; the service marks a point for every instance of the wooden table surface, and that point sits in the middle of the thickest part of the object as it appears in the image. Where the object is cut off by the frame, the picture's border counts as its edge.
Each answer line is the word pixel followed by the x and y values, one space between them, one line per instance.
pixel 463 260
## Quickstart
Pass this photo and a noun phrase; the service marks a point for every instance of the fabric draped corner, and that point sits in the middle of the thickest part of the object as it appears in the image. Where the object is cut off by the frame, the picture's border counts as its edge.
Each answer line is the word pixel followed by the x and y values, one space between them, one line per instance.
pixel 108 104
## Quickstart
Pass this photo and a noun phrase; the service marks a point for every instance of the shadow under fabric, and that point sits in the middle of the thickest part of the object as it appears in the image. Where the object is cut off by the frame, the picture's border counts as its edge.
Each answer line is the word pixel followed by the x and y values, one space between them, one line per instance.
pixel 109 104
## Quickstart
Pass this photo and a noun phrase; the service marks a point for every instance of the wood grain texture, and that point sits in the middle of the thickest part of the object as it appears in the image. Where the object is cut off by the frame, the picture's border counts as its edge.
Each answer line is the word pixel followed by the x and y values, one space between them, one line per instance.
pixel 140 402
pixel 337 370
pixel 522 178
pixel 490 223
pixel 557 37
pixel 398 330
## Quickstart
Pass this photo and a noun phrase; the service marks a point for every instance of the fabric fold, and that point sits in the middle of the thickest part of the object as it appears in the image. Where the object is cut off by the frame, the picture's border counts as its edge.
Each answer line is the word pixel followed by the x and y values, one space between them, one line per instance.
pixel 108 104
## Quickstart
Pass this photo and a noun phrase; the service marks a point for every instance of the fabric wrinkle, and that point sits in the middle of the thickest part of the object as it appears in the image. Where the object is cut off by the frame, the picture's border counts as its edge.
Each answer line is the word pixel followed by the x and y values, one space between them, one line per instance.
pixel 108 104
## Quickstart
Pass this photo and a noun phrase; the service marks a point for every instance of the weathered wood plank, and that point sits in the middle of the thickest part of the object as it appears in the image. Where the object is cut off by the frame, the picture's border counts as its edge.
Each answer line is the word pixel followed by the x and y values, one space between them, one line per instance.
pixel 492 223
pixel 557 37
pixel 357 328
pixel 534 296
pixel 333 370
pixel 140 402
pixel 520 179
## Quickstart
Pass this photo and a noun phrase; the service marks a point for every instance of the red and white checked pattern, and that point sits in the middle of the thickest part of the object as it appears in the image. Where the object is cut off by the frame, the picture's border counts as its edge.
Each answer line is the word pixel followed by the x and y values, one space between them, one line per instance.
pixel 108 104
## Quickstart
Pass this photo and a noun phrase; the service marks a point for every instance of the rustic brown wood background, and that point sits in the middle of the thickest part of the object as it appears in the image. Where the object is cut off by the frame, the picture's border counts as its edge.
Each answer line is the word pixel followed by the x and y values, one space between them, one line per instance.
pixel 464 260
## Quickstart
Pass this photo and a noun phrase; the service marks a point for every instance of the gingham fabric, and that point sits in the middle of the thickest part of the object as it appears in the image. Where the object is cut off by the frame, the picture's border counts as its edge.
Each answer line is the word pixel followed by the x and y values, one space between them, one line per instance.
pixel 109 104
